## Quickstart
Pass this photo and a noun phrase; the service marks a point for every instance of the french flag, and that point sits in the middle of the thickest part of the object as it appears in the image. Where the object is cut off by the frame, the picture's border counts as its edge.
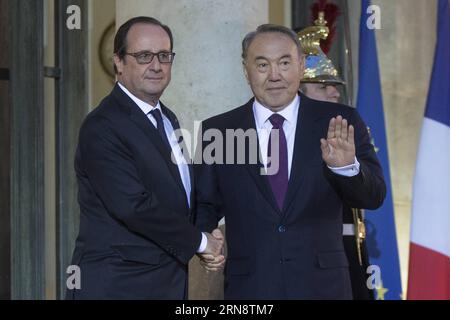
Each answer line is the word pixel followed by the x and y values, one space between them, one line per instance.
pixel 429 260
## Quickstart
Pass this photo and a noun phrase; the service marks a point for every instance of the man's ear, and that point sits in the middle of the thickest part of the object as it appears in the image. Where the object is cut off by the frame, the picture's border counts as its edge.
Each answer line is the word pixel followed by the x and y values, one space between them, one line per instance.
pixel 118 63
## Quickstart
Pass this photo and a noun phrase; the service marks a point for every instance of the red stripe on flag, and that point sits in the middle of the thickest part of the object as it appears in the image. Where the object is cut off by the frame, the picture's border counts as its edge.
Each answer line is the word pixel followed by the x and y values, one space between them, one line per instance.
pixel 429 274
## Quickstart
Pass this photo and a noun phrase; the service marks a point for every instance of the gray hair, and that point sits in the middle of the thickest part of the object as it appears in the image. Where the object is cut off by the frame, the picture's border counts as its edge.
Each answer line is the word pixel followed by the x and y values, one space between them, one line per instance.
pixel 266 28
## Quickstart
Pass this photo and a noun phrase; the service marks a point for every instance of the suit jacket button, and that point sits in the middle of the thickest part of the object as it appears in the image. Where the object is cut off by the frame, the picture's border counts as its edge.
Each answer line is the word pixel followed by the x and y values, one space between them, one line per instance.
pixel 281 229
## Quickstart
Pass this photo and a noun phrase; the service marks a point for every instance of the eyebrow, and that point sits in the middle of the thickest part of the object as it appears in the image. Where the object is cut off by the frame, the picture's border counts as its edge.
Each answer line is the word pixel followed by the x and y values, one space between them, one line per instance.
pixel 282 57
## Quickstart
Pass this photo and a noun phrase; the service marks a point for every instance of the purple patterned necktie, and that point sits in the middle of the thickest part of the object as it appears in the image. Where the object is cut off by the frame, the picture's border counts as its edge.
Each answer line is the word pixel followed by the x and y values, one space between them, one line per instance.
pixel 279 180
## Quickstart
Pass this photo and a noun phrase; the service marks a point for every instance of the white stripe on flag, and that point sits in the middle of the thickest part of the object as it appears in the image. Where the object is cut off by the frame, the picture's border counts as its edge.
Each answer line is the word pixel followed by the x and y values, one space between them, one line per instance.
pixel 430 225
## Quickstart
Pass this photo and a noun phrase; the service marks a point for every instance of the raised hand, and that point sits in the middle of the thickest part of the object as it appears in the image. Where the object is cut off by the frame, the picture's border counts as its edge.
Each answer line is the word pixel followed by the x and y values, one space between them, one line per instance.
pixel 338 150
pixel 213 259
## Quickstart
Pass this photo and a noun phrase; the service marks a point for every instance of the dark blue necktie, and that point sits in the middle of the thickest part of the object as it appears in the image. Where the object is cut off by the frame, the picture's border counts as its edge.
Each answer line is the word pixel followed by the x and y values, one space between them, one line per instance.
pixel 160 127
pixel 279 180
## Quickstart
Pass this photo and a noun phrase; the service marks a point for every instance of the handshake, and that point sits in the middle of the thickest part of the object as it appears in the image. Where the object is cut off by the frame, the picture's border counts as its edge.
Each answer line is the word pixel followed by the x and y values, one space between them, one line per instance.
pixel 212 258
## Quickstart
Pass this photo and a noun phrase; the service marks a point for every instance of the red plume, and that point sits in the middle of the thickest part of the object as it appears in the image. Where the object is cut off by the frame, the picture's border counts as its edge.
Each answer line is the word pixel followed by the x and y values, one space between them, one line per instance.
pixel 332 12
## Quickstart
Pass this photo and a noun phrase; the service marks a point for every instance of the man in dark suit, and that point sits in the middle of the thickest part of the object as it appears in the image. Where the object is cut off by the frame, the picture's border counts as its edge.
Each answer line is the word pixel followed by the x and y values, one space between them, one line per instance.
pixel 135 185
pixel 284 226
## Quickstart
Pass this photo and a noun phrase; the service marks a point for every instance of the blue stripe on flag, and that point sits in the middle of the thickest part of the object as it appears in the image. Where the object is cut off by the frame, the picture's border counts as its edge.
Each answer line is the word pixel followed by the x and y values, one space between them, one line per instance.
pixel 381 234
pixel 438 105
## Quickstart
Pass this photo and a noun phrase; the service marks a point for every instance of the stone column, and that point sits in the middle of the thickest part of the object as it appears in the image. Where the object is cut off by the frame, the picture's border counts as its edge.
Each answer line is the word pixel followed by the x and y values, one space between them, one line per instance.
pixel 207 77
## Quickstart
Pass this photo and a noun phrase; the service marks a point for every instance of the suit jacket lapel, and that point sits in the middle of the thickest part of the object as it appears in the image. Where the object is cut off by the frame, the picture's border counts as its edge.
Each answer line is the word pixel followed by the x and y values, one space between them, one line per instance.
pixel 141 120
pixel 302 149
pixel 255 170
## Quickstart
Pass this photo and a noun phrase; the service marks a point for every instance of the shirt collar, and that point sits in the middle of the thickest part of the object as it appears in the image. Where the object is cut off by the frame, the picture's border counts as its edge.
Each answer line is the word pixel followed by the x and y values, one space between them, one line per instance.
pixel 262 114
pixel 144 106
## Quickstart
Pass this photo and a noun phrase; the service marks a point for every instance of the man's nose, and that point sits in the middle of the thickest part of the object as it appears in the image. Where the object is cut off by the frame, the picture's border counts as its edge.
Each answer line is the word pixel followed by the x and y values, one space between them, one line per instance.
pixel 274 73
pixel 155 65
